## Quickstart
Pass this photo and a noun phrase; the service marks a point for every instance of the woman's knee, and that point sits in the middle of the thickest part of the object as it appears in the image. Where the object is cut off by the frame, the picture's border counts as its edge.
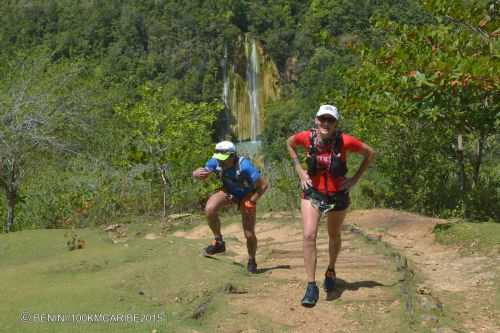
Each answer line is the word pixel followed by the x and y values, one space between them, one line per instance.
pixel 309 237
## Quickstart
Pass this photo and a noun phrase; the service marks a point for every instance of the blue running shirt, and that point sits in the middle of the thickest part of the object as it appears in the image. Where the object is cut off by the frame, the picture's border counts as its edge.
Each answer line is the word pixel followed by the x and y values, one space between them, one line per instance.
pixel 237 186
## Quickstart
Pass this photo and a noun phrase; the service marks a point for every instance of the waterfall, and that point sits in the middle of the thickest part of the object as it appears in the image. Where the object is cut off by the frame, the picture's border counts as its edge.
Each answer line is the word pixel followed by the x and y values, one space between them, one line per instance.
pixel 249 81
pixel 225 76
pixel 252 72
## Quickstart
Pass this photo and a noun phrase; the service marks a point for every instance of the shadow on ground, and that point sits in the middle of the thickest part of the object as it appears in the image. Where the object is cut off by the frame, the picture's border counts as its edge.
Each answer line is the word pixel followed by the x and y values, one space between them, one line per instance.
pixel 266 269
pixel 259 270
pixel 343 285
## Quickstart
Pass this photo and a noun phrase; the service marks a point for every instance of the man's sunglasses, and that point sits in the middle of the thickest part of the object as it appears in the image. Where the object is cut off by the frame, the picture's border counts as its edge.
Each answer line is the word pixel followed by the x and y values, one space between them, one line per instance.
pixel 218 151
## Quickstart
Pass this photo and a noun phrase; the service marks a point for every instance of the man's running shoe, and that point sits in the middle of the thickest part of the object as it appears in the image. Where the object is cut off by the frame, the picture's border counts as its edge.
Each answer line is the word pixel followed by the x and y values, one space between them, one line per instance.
pixel 311 296
pixel 217 246
pixel 329 282
pixel 252 266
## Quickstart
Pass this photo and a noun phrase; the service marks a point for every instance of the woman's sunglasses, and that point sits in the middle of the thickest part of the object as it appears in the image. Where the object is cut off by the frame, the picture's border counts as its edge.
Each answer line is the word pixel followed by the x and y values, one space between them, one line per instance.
pixel 327 119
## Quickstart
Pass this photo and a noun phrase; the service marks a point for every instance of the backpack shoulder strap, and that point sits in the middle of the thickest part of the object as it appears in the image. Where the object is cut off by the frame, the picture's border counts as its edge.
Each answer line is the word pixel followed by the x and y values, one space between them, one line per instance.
pixel 238 167
pixel 312 139
pixel 218 169
pixel 337 145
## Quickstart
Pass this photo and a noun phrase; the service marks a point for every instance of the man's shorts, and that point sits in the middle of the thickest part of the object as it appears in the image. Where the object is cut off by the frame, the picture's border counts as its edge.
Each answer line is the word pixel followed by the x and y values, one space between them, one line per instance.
pixel 239 202
pixel 335 202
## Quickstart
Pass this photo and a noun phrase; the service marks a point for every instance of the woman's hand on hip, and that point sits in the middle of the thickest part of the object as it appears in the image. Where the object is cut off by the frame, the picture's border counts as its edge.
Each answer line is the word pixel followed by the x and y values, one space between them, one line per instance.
pixel 305 180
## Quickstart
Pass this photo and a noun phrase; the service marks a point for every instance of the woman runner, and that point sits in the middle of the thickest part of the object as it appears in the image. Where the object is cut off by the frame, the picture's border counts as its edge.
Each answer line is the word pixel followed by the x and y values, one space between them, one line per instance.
pixel 325 189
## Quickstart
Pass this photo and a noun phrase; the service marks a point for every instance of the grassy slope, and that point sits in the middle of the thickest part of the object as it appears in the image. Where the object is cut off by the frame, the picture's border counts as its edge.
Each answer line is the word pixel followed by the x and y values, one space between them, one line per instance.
pixel 473 237
pixel 484 236
pixel 165 277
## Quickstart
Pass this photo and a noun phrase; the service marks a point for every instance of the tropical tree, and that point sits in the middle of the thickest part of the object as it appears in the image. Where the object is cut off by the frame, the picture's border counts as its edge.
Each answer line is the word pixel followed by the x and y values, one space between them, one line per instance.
pixel 430 93
pixel 41 112
pixel 167 139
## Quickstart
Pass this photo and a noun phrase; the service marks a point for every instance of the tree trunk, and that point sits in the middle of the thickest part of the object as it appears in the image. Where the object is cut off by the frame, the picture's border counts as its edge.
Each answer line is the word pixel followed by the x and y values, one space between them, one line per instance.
pixel 478 158
pixel 461 165
pixel 11 205
pixel 166 182
pixel 461 173
pixel 9 183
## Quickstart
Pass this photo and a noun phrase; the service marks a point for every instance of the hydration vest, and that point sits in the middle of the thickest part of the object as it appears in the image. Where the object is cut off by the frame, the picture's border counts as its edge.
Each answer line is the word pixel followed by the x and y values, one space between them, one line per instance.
pixel 239 181
pixel 338 167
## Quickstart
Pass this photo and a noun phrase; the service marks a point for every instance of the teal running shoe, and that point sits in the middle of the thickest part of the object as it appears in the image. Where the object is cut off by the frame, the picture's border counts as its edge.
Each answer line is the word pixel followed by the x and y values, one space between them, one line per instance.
pixel 311 296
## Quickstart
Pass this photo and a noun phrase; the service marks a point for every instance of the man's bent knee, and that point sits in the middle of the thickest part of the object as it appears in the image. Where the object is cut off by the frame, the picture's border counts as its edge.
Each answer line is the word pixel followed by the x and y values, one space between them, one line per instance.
pixel 249 234
pixel 211 211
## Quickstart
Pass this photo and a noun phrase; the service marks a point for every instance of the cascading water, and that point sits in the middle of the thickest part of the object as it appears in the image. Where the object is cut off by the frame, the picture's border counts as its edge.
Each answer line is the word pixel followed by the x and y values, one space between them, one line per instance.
pixel 249 82
pixel 252 88
pixel 223 126
pixel 225 76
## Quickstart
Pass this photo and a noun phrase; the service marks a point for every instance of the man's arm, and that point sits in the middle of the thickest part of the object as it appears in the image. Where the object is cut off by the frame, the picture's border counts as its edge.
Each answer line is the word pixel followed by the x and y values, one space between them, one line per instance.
pixel 201 173
pixel 260 187
pixel 204 172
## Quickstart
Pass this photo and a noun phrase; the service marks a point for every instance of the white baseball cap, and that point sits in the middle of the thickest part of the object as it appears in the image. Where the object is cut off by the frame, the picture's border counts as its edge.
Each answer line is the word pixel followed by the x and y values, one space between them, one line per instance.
pixel 223 150
pixel 327 109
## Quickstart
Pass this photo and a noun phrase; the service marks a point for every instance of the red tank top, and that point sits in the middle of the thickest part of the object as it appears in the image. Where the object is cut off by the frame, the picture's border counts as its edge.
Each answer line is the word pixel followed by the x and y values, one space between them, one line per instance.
pixel 323 181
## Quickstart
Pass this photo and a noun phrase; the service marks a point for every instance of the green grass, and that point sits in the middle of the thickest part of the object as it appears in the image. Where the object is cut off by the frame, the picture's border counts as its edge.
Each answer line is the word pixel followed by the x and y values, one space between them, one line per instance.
pixel 483 236
pixel 165 279
pixel 473 237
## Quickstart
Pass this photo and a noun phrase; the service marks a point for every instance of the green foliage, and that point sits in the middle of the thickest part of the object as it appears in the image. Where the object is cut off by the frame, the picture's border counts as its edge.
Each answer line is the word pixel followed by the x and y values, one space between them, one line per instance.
pixel 283 193
pixel 408 85
pixel 424 87
pixel 324 73
pixel 285 118
pixel 43 110
pixel 275 22
pixel 136 85
pixel 328 19
pixel 170 133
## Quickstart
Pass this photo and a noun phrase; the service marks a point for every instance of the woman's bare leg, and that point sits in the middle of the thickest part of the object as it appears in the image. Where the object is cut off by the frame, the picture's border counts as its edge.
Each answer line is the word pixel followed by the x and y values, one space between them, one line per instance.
pixel 335 220
pixel 310 220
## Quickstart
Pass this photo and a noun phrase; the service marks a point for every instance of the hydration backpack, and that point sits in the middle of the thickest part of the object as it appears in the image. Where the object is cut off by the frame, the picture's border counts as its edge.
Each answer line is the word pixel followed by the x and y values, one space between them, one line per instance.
pixel 239 180
pixel 337 166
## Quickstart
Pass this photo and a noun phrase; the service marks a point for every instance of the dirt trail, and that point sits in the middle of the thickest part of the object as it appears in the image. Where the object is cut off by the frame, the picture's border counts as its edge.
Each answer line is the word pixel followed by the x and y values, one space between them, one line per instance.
pixel 465 285
pixel 368 296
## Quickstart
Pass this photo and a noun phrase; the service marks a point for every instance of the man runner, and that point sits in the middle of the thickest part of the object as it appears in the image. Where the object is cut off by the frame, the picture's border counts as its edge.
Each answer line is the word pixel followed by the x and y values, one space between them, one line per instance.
pixel 243 185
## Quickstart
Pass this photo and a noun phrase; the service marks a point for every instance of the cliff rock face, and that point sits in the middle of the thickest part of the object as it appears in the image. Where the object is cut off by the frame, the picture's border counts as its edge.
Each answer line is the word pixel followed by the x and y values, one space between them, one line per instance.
pixel 251 82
